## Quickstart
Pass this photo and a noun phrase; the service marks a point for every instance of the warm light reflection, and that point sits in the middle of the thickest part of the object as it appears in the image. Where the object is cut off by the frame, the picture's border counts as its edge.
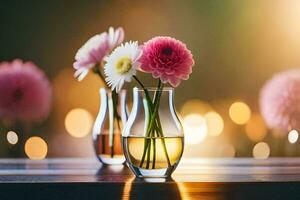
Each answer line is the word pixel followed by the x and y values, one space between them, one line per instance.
pixel 239 113
pixel 36 148
pixel 194 106
pixel 183 191
pixel 215 123
pixel 293 136
pixel 12 137
pixel 78 122
pixel 261 151
pixel 256 129
pixel 195 128
pixel 127 189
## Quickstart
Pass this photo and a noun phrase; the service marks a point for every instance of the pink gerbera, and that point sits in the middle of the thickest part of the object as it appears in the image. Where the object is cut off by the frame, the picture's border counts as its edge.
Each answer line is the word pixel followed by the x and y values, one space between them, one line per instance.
pixel 280 101
pixel 95 49
pixel 168 59
pixel 25 92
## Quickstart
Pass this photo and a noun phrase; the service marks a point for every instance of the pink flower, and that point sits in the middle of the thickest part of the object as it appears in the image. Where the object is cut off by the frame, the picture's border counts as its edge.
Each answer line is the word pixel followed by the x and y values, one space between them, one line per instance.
pixel 25 92
pixel 168 59
pixel 280 100
pixel 95 49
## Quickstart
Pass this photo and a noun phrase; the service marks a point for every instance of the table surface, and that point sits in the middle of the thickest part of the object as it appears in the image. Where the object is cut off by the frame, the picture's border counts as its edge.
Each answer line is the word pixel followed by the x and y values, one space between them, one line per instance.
pixel 79 178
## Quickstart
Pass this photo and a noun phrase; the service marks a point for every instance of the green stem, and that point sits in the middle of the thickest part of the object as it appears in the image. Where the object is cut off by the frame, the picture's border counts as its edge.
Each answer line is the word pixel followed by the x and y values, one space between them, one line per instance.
pixel 149 103
pixel 150 128
pixel 148 153
pixel 154 151
pixel 164 145
pixel 154 124
pixel 158 124
pixel 144 152
pixel 139 82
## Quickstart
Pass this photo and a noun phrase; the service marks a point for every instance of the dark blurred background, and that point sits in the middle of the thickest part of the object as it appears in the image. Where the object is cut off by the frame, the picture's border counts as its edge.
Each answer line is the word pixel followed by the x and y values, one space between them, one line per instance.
pixel 237 45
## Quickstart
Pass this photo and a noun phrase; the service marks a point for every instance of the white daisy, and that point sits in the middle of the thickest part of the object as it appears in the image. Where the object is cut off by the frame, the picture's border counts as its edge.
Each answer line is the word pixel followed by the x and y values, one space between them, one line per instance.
pixel 122 64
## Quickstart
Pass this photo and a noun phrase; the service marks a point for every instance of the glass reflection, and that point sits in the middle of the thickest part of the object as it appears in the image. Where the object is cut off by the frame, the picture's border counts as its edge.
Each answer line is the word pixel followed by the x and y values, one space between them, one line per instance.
pixel 154 188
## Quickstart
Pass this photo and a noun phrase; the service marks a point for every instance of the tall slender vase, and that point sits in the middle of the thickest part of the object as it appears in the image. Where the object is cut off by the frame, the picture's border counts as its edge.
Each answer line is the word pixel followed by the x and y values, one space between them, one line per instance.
pixel 108 126
pixel 153 135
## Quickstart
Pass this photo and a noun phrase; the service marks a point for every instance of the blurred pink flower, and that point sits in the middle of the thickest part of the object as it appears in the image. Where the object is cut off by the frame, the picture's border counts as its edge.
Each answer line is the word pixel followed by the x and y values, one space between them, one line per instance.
pixel 25 92
pixel 95 49
pixel 280 100
pixel 168 59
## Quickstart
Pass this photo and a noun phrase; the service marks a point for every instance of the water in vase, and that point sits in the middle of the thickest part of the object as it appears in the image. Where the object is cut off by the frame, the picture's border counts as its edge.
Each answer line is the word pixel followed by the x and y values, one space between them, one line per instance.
pixel 153 153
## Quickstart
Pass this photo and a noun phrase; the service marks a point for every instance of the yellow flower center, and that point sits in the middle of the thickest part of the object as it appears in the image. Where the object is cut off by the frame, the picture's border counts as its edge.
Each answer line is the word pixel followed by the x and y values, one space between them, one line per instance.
pixel 123 65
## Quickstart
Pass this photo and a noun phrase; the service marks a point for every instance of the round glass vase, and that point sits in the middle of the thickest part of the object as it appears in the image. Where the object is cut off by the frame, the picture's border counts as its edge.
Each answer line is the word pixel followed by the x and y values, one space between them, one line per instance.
pixel 108 126
pixel 153 139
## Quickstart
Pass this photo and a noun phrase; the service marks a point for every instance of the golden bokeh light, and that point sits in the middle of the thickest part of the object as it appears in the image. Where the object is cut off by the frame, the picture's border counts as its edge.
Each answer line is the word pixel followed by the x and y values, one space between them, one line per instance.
pixel 287 17
pixel 78 122
pixel 12 137
pixel 215 123
pixel 261 151
pixel 293 136
pixel 239 113
pixel 36 148
pixel 256 129
pixel 195 128
pixel 194 106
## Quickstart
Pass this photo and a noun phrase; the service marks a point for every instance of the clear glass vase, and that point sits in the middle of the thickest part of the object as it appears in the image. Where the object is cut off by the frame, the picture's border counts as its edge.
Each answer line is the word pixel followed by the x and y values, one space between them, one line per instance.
pixel 108 127
pixel 153 135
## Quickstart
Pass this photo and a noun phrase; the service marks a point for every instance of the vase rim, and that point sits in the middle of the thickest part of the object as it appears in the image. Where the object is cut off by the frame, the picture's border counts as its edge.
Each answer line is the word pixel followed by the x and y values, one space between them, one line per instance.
pixel 109 90
pixel 151 89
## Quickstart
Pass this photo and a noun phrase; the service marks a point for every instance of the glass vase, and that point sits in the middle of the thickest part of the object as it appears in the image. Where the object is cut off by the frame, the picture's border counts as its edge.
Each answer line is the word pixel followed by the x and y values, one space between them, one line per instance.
pixel 153 139
pixel 107 129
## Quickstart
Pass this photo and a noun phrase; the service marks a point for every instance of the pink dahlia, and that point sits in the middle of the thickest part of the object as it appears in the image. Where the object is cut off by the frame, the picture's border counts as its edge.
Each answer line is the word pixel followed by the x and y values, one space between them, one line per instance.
pixel 280 100
pixel 168 59
pixel 95 49
pixel 25 92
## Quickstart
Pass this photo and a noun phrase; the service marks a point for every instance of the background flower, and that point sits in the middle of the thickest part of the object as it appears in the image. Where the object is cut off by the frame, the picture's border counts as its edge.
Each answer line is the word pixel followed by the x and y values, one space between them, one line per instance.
pixel 25 92
pixel 122 64
pixel 168 59
pixel 94 50
pixel 280 100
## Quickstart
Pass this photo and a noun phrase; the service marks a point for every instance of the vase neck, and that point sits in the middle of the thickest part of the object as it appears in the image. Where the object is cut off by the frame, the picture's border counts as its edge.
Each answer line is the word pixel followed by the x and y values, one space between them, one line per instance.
pixel 163 99
pixel 153 114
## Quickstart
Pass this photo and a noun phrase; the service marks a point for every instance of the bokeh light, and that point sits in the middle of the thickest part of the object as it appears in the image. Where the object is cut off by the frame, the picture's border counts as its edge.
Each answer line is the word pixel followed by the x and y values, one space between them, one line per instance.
pixel 239 113
pixel 78 122
pixel 36 148
pixel 293 136
pixel 195 106
pixel 287 16
pixel 12 137
pixel 215 123
pixel 195 128
pixel 256 129
pixel 261 151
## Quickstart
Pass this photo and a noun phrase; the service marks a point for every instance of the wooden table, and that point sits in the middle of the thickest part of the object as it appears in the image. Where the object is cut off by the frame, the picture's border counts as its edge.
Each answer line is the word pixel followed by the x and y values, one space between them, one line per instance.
pixel 81 178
